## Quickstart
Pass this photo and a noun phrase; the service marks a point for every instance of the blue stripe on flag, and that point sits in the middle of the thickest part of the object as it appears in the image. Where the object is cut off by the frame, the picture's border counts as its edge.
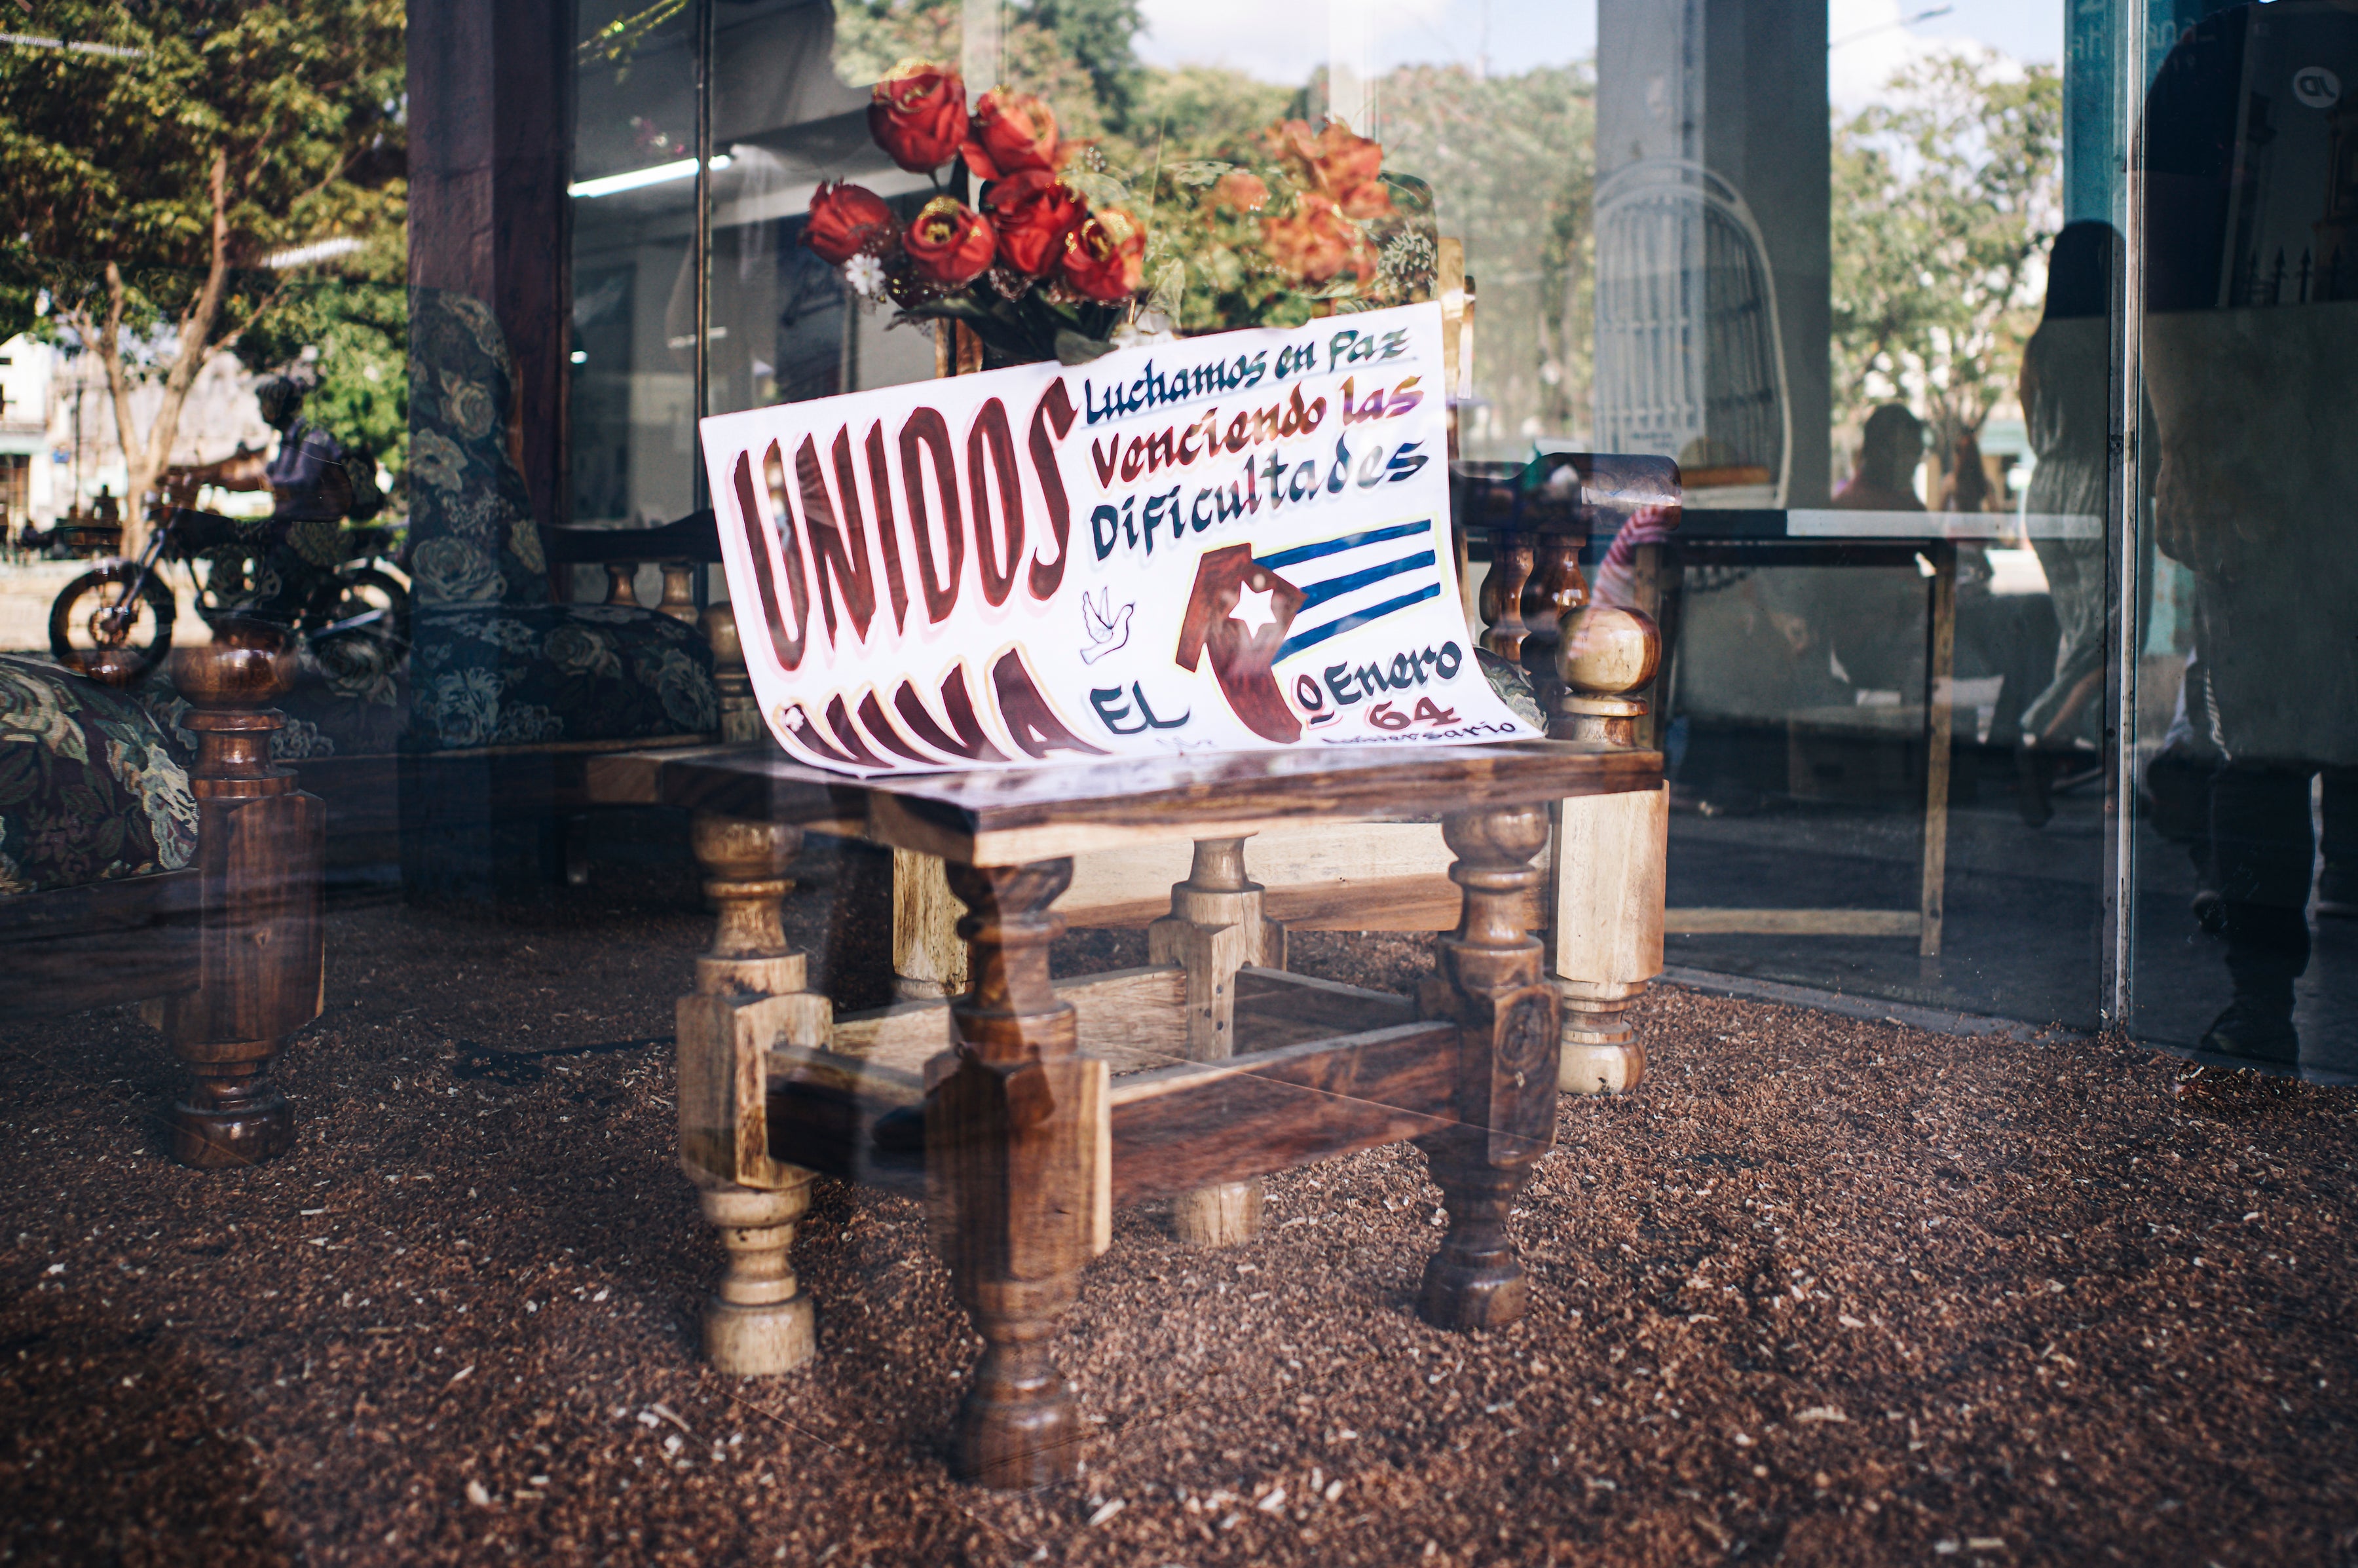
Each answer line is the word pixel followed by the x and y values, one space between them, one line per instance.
pixel 1318 635
pixel 1301 553
pixel 1318 593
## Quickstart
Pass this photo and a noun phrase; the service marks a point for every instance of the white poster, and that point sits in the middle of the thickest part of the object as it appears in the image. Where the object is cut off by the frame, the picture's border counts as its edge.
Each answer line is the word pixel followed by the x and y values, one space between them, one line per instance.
pixel 1230 543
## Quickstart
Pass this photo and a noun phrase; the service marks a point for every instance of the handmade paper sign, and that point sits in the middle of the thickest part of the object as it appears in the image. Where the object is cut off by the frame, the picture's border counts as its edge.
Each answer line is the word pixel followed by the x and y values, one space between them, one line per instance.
pixel 1232 542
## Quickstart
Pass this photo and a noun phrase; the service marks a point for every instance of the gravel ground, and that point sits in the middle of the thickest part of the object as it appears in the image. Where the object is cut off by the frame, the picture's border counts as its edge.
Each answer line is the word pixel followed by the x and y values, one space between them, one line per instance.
pixel 1825 1291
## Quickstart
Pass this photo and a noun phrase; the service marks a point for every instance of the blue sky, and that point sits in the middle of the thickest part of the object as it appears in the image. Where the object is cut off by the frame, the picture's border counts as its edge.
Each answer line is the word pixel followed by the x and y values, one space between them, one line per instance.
pixel 1284 44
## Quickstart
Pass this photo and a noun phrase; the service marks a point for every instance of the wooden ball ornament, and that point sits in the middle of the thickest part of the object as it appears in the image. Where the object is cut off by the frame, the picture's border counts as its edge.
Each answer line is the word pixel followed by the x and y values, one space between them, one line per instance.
pixel 1607 650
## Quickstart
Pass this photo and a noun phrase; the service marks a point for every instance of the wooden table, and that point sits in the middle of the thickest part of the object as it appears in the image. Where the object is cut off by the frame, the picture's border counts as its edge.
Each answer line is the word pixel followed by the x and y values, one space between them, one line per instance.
pixel 1024 1111
pixel 1828 538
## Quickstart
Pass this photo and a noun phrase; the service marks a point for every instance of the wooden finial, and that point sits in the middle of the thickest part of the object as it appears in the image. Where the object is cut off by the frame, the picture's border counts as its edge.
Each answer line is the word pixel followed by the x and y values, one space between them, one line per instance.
pixel 1606 652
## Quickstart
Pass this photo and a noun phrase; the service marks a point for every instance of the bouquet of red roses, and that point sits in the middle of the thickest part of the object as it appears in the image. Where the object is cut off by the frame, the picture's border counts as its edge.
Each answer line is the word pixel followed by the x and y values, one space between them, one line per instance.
pixel 1030 267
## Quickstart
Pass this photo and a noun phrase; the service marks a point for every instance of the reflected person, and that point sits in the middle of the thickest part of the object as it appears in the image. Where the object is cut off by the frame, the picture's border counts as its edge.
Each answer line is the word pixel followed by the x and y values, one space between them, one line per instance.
pixel 292 555
pixel 2251 353
pixel 2066 401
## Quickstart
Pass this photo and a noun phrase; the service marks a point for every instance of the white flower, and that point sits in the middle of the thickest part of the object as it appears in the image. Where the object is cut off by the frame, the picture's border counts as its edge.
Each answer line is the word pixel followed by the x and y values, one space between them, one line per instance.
pixel 865 275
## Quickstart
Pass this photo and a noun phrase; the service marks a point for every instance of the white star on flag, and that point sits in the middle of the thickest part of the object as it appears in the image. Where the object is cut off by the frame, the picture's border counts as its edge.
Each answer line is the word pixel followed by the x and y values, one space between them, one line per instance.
pixel 1253 609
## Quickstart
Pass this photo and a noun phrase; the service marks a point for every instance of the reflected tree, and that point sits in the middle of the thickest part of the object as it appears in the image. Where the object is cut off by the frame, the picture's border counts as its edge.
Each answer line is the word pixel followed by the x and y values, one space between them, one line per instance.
pixel 1946 196
pixel 166 169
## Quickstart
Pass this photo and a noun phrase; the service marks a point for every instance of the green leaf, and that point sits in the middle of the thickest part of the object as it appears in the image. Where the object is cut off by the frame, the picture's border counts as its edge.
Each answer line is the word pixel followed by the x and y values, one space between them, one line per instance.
pixel 1072 348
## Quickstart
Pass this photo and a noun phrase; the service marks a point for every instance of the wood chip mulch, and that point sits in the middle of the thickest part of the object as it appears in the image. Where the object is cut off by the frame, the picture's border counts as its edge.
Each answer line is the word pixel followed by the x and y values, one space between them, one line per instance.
pixel 1824 1290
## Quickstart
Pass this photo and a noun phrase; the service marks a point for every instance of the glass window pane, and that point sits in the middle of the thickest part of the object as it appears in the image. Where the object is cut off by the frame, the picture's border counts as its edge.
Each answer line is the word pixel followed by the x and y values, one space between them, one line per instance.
pixel 2245 844
pixel 790 107
pixel 1818 276
pixel 633 209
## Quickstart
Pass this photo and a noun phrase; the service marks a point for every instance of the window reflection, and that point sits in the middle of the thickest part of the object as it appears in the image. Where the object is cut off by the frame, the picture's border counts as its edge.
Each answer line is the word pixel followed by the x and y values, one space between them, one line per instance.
pixel 2251 174
pixel 1863 289
pixel 633 199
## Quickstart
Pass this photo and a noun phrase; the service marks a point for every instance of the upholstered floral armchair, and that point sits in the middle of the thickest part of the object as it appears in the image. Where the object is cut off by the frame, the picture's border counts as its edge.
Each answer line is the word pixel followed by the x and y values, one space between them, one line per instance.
pixel 508 690
pixel 497 662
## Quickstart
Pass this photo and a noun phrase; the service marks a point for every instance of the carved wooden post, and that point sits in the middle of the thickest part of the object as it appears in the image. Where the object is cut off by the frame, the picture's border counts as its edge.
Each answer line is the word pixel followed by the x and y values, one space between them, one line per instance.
pixel 1507 1014
pixel 1610 855
pixel 1502 592
pixel 1018 1153
pixel 261 944
pixel 621 582
pixel 740 715
pixel 749 995
pixel 1213 929
pixel 678 600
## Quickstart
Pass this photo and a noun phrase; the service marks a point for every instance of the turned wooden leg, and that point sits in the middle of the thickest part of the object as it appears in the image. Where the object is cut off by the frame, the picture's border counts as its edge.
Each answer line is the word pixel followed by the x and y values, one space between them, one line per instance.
pixel 1607 866
pixel 749 996
pixel 1018 1151
pixel 758 1323
pixel 1509 1023
pixel 1213 929
pixel 1610 862
pixel 262 932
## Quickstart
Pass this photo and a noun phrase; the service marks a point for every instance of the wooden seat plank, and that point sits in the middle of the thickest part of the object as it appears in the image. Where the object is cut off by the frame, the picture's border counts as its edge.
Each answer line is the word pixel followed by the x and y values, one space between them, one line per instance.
pixel 1011 817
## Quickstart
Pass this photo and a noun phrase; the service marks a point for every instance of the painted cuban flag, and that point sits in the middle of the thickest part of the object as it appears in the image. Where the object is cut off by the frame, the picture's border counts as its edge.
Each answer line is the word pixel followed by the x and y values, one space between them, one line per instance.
pixel 1355 580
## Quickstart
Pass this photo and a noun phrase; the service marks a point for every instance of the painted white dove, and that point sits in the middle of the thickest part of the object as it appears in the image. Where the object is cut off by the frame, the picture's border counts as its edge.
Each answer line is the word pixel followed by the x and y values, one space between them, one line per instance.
pixel 1108 628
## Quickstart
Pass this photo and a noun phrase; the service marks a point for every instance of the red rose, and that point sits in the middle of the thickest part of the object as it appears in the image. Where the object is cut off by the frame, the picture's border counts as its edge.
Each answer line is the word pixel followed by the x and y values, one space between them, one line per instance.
pixel 950 244
pixel 846 220
pixel 1032 212
pixel 1010 132
pixel 1104 256
pixel 917 114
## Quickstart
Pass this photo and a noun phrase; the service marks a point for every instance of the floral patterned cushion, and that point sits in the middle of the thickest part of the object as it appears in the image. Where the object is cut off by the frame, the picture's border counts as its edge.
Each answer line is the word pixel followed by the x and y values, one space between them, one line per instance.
pixel 90 785
pixel 510 675
pixel 473 536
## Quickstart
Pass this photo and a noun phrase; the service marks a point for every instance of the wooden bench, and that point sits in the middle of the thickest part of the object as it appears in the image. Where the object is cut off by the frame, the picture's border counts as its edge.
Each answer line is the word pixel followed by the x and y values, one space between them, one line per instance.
pixel 1024 1111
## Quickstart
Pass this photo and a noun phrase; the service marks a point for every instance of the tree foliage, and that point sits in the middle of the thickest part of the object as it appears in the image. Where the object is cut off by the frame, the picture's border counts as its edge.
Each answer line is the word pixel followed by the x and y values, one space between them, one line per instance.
pixel 146 181
pixel 1946 198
